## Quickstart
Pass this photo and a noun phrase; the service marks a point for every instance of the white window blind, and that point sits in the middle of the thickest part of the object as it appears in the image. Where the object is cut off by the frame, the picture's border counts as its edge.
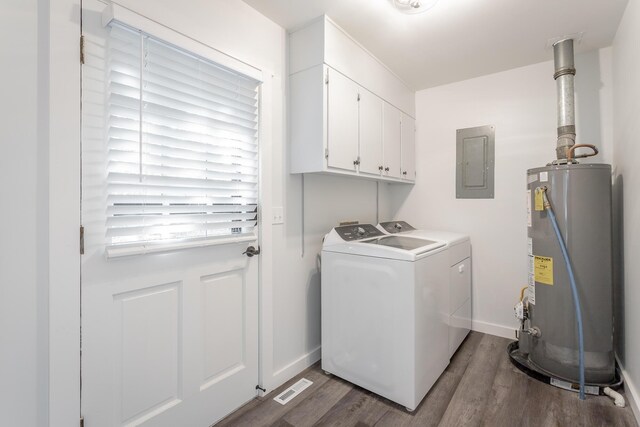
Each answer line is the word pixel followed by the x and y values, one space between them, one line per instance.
pixel 182 145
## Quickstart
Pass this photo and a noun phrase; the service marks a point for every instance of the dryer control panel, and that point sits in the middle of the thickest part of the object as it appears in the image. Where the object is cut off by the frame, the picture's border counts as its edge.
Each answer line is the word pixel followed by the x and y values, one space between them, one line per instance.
pixel 396 226
pixel 357 232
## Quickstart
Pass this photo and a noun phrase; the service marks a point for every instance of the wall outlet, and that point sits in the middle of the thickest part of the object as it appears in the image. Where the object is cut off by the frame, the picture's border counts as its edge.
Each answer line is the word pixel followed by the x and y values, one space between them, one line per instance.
pixel 278 215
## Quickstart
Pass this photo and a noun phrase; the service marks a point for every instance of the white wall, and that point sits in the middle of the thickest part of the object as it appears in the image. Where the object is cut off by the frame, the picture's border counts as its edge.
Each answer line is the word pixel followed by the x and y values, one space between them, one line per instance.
pixel 521 104
pixel 626 72
pixel 21 326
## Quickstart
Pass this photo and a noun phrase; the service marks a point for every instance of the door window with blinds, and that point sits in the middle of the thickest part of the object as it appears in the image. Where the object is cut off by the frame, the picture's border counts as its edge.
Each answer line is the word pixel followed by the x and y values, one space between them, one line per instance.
pixel 182 143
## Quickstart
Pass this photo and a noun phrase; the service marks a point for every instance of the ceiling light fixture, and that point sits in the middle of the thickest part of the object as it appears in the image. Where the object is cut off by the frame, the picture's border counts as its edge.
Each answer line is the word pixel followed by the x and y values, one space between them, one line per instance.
pixel 414 6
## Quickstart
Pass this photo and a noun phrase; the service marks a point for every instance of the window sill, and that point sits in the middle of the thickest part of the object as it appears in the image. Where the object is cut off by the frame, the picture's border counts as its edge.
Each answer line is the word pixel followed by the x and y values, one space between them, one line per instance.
pixel 118 251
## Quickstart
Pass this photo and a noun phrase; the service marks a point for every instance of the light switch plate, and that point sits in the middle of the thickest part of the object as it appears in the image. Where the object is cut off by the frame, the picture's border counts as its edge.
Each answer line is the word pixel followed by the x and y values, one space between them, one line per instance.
pixel 278 215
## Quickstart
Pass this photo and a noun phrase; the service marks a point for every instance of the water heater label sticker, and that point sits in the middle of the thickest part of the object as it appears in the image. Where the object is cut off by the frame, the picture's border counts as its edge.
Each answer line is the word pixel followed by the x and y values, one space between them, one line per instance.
pixel 544 176
pixel 532 178
pixel 539 204
pixel 531 282
pixel 528 208
pixel 543 269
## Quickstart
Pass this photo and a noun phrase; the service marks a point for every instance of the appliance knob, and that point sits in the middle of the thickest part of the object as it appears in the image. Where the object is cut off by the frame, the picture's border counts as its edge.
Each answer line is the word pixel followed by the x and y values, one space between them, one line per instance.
pixel 361 231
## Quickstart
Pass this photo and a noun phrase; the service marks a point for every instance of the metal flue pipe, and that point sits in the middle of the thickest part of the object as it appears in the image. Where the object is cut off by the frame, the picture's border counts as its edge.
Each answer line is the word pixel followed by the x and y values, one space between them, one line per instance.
pixel 564 77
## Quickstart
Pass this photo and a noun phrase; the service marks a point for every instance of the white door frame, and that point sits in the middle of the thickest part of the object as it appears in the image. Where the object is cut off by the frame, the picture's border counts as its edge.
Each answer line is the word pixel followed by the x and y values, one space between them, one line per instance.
pixel 64 114
pixel 63 85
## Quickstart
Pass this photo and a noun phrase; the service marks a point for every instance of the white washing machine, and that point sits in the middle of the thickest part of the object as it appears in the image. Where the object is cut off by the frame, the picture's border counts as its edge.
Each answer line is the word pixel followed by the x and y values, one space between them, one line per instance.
pixel 458 247
pixel 385 311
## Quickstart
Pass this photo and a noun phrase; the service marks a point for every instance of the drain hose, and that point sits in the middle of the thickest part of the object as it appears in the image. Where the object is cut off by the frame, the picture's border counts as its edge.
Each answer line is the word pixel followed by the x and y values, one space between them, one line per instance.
pixel 574 288
pixel 618 399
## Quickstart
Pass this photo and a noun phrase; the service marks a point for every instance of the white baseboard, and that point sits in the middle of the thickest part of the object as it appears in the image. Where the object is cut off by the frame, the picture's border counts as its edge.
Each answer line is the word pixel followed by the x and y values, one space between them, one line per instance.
pixel 289 371
pixel 494 329
pixel 631 392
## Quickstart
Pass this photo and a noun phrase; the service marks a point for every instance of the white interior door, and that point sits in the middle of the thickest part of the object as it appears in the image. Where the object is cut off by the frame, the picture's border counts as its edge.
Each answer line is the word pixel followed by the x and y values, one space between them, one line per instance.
pixel 168 338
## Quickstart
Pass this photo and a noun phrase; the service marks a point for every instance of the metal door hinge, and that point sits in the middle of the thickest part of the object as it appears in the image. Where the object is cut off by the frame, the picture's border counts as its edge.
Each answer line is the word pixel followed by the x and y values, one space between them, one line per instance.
pixel 326 78
pixel 82 49
pixel 81 421
pixel 358 97
pixel 326 153
pixel 81 240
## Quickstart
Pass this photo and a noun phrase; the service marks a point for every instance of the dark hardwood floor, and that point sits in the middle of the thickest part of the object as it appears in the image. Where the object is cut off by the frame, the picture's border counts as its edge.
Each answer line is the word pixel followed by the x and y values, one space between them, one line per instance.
pixel 480 387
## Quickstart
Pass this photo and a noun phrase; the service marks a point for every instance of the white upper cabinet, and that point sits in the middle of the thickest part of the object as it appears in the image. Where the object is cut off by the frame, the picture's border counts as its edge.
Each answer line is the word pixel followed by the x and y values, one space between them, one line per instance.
pixel 345 108
pixel 391 148
pixel 370 124
pixel 342 122
pixel 408 143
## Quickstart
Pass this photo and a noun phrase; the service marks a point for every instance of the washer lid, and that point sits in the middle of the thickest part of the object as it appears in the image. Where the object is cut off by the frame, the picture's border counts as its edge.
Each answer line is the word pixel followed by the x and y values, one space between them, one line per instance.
pixel 402 242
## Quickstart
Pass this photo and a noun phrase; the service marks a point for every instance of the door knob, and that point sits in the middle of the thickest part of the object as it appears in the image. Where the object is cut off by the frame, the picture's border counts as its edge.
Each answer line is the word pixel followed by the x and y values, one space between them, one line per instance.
pixel 386 169
pixel 251 251
pixel 380 168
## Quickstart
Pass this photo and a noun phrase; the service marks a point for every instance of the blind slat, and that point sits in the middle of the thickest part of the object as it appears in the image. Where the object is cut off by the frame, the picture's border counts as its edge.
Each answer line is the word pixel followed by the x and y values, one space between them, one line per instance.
pixel 170 172
pixel 142 190
pixel 170 161
pixel 125 142
pixel 222 169
pixel 122 209
pixel 172 229
pixel 139 220
pixel 179 182
pixel 116 200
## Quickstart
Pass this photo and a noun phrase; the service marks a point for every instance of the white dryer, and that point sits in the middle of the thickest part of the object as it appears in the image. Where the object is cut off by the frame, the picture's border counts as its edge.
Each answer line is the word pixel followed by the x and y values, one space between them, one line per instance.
pixel 458 247
pixel 385 311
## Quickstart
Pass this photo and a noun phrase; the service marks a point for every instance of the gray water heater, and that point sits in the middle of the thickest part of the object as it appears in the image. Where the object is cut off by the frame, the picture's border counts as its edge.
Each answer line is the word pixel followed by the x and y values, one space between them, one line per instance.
pixel 580 195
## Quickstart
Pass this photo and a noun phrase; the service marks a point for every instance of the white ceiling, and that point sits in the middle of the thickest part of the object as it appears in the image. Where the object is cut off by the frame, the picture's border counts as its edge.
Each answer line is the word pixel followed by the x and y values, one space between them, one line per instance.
pixel 457 39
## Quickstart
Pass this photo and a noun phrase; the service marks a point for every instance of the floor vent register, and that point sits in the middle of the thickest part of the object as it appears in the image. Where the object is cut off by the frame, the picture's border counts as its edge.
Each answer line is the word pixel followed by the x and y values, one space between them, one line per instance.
pixel 292 391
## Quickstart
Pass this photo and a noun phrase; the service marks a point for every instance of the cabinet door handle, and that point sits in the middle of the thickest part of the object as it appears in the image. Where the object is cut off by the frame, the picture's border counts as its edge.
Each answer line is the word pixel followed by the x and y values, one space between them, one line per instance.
pixel 404 173
pixel 356 162
pixel 386 169
pixel 380 168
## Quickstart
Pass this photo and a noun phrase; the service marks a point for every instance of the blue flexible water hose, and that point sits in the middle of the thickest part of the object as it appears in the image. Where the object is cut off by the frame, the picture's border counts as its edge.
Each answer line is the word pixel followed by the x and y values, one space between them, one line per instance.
pixel 574 291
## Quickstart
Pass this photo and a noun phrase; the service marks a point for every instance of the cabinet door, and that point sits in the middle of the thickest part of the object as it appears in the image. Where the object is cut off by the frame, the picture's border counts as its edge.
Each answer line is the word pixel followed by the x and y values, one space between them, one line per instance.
pixel 391 141
pixel 459 303
pixel 460 284
pixel 342 122
pixel 408 139
pixel 370 122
